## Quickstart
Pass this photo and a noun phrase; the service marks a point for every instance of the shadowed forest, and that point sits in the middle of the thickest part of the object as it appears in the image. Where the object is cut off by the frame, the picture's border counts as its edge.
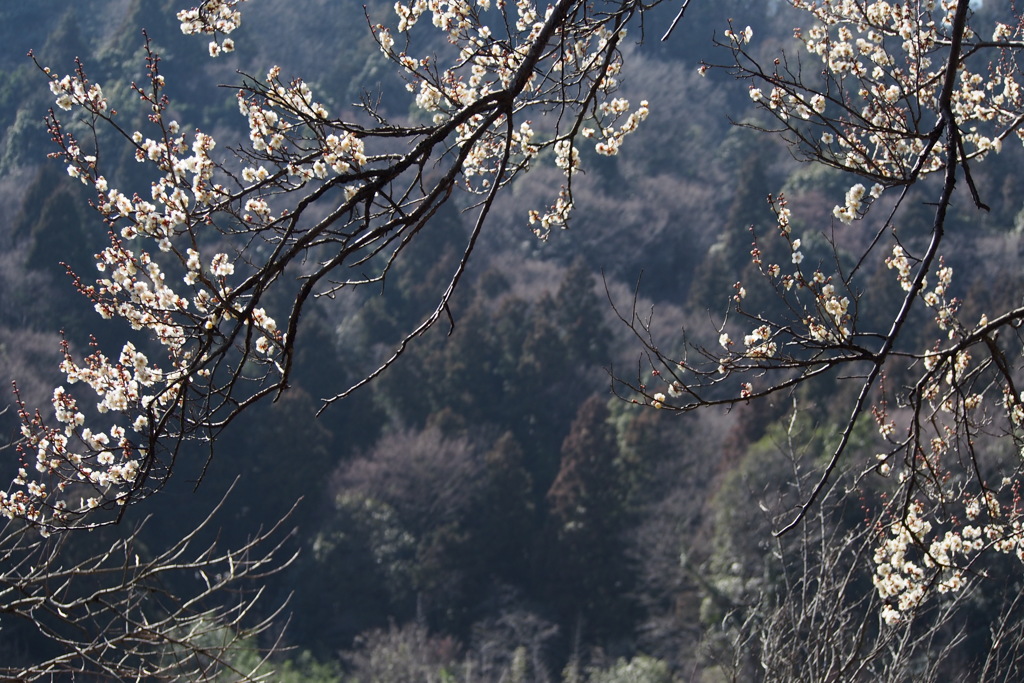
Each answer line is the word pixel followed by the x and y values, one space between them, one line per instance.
pixel 495 507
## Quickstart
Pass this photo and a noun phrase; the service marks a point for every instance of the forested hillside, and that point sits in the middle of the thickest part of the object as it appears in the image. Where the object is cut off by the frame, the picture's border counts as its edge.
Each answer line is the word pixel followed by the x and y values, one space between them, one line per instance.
pixel 498 505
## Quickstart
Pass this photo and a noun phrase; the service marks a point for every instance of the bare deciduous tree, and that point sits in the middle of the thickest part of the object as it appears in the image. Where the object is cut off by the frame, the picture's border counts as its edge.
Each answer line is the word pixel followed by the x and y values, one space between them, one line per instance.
pixel 121 612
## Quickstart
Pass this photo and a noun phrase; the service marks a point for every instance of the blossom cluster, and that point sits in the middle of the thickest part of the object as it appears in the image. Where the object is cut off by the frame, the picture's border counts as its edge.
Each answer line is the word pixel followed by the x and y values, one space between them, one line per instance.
pixel 293 134
pixel 74 455
pixel 494 42
pixel 823 304
pixel 945 308
pixel 213 17
pixel 894 56
pixel 495 53
pixel 155 276
pixel 952 390
pixel 882 63
pixel 76 90
pixel 854 204
pixel 914 556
